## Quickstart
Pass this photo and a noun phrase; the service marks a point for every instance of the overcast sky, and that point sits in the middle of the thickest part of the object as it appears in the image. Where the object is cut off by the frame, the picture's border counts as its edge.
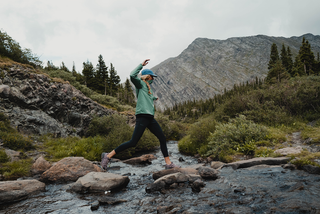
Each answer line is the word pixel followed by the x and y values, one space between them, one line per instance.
pixel 125 32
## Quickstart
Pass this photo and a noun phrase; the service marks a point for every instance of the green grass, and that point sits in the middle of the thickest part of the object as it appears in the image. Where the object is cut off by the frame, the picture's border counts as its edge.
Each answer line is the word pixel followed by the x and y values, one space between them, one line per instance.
pixel 16 169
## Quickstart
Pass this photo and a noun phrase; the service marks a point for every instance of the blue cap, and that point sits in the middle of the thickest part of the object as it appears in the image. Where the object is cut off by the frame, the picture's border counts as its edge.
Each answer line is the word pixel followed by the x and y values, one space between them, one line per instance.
pixel 148 72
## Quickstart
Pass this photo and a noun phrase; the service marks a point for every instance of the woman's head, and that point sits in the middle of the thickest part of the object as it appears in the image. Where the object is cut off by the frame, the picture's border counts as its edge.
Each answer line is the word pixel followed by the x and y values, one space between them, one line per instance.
pixel 148 80
pixel 147 72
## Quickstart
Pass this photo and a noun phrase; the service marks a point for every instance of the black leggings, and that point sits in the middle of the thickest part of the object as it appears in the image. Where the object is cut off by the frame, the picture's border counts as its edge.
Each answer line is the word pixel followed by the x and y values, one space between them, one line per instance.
pixel 143 122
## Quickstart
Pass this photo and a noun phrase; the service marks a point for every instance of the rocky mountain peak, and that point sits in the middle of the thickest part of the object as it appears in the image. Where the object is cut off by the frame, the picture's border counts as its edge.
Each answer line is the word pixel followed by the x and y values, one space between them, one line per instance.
pixel 208 66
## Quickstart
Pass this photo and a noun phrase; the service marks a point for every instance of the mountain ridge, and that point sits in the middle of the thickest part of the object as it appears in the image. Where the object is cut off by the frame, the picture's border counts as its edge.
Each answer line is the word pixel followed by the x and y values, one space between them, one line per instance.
pixel 208 66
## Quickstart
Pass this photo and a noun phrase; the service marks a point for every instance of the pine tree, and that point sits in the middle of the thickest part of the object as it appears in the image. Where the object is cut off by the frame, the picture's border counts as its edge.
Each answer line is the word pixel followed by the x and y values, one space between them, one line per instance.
pixel 101 75
pixel 284 57
pixel 63 67
pixel 88 73
pixel 114 80
pixel 277 73
pixel 307 57
pixel 274 56
pixel 290 62
pixel 129 96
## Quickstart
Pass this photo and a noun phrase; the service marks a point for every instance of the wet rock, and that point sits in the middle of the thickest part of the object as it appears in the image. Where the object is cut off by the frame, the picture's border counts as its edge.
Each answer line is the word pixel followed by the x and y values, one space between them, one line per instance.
pixel 144 159
pixel 289 166
pixel 181 159
pixel 197 185
pixel 110 200
pixel 155 187
pixel 164 172
pixel 289 150
pixel 208 173
pixel 201 160
pixel 164 209
pixel 69 169
pixel 40 166
pixel 95 205
pixel 311 169
pixel 238 210
pixel 297 186
pixel 193 177
pixel 174 178
pixel 258 161
pixel 13 191
pixel 216 164
pixel 99 182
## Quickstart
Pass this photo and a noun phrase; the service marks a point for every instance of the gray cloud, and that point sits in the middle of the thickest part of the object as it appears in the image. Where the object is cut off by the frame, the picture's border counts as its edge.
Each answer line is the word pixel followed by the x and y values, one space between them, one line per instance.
pixel 126 32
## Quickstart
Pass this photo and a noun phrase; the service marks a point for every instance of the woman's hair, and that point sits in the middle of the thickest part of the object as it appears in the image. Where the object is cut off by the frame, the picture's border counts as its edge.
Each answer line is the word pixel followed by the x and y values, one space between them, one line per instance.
pixel 144 77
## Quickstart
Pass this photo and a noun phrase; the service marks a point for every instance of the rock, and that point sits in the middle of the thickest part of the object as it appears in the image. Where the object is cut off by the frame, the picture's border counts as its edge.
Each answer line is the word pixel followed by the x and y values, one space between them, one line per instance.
pixel 181 159
pixel 69 169
pixel 289 166
pixel 40 166
pixel 311 169
pixel 164 209
pixel 95 205
pixel 144 159
pixel 289 150
pixel 164 172
pixel 155 186
pixel 13 155
pixel 238 210
pixel 297 186
pixel 13 191
pixel 36 104
pixel 197 185
pixel 208 173
pixel 174 178
pixel 216 164
pixel 257 161
pixel 110 200
pixel 99 182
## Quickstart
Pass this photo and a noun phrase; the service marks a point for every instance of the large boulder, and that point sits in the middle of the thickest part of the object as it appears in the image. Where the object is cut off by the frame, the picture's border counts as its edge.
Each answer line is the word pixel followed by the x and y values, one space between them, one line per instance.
pixel 13 191
pixel 164 172
pixel 144 159
pixel 208 173
pixel 99 182
pixel 258 161
pixel 69 169
pixel 40 166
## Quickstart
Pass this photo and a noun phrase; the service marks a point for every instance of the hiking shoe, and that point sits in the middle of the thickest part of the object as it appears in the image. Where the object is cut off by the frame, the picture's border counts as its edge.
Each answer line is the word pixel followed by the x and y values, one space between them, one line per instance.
pixel 104 160
pixel 171 165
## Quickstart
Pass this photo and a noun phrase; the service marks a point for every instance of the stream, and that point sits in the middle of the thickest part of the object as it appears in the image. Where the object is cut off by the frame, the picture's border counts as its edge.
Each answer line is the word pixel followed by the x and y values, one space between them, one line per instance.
pixel 259 189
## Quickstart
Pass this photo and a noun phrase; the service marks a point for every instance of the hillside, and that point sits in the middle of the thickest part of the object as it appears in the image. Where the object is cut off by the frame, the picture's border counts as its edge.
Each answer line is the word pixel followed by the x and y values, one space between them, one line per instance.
pixel 207 66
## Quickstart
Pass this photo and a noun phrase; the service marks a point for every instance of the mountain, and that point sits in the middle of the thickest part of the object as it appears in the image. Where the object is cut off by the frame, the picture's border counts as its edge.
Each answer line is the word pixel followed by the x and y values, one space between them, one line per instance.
pixel 208 66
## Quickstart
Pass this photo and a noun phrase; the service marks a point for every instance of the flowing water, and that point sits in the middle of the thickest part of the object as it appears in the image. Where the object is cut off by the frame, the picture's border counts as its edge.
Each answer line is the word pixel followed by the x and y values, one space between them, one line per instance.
pixel 260 189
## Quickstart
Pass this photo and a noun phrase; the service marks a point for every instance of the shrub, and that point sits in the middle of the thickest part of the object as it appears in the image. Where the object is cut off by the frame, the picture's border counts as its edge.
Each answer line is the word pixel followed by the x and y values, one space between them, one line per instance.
pixel 172 130
pixel 90 148
pixel 16 169
pixel 3 156
pixel 104 125
pixel 197 136
pixel 237 134
pixel 186 146
pixel 16 141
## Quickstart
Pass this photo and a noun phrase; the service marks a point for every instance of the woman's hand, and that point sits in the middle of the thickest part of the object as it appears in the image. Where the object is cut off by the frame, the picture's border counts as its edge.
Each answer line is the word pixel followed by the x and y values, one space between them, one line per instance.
pixel 145 62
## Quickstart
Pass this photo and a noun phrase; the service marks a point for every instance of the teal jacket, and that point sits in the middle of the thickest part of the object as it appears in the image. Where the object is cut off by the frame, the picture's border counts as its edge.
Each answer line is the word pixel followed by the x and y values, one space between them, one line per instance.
pixel 145 100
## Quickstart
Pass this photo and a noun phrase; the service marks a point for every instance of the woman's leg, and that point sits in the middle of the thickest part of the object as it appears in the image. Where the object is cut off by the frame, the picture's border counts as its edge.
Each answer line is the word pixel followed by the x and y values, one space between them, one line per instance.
pixel 155 129
pixel 141 124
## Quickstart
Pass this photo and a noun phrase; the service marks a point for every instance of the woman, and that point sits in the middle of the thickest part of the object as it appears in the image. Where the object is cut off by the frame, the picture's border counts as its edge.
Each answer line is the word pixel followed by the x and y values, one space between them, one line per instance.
pixel 144 116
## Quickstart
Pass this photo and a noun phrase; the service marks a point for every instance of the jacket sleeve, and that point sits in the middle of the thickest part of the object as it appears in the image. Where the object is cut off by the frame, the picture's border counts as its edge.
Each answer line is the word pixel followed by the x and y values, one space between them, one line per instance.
pixel 134 76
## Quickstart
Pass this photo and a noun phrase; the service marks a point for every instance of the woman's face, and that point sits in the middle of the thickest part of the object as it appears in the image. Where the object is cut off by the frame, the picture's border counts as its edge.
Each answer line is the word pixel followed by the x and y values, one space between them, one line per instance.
pixel 150 77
